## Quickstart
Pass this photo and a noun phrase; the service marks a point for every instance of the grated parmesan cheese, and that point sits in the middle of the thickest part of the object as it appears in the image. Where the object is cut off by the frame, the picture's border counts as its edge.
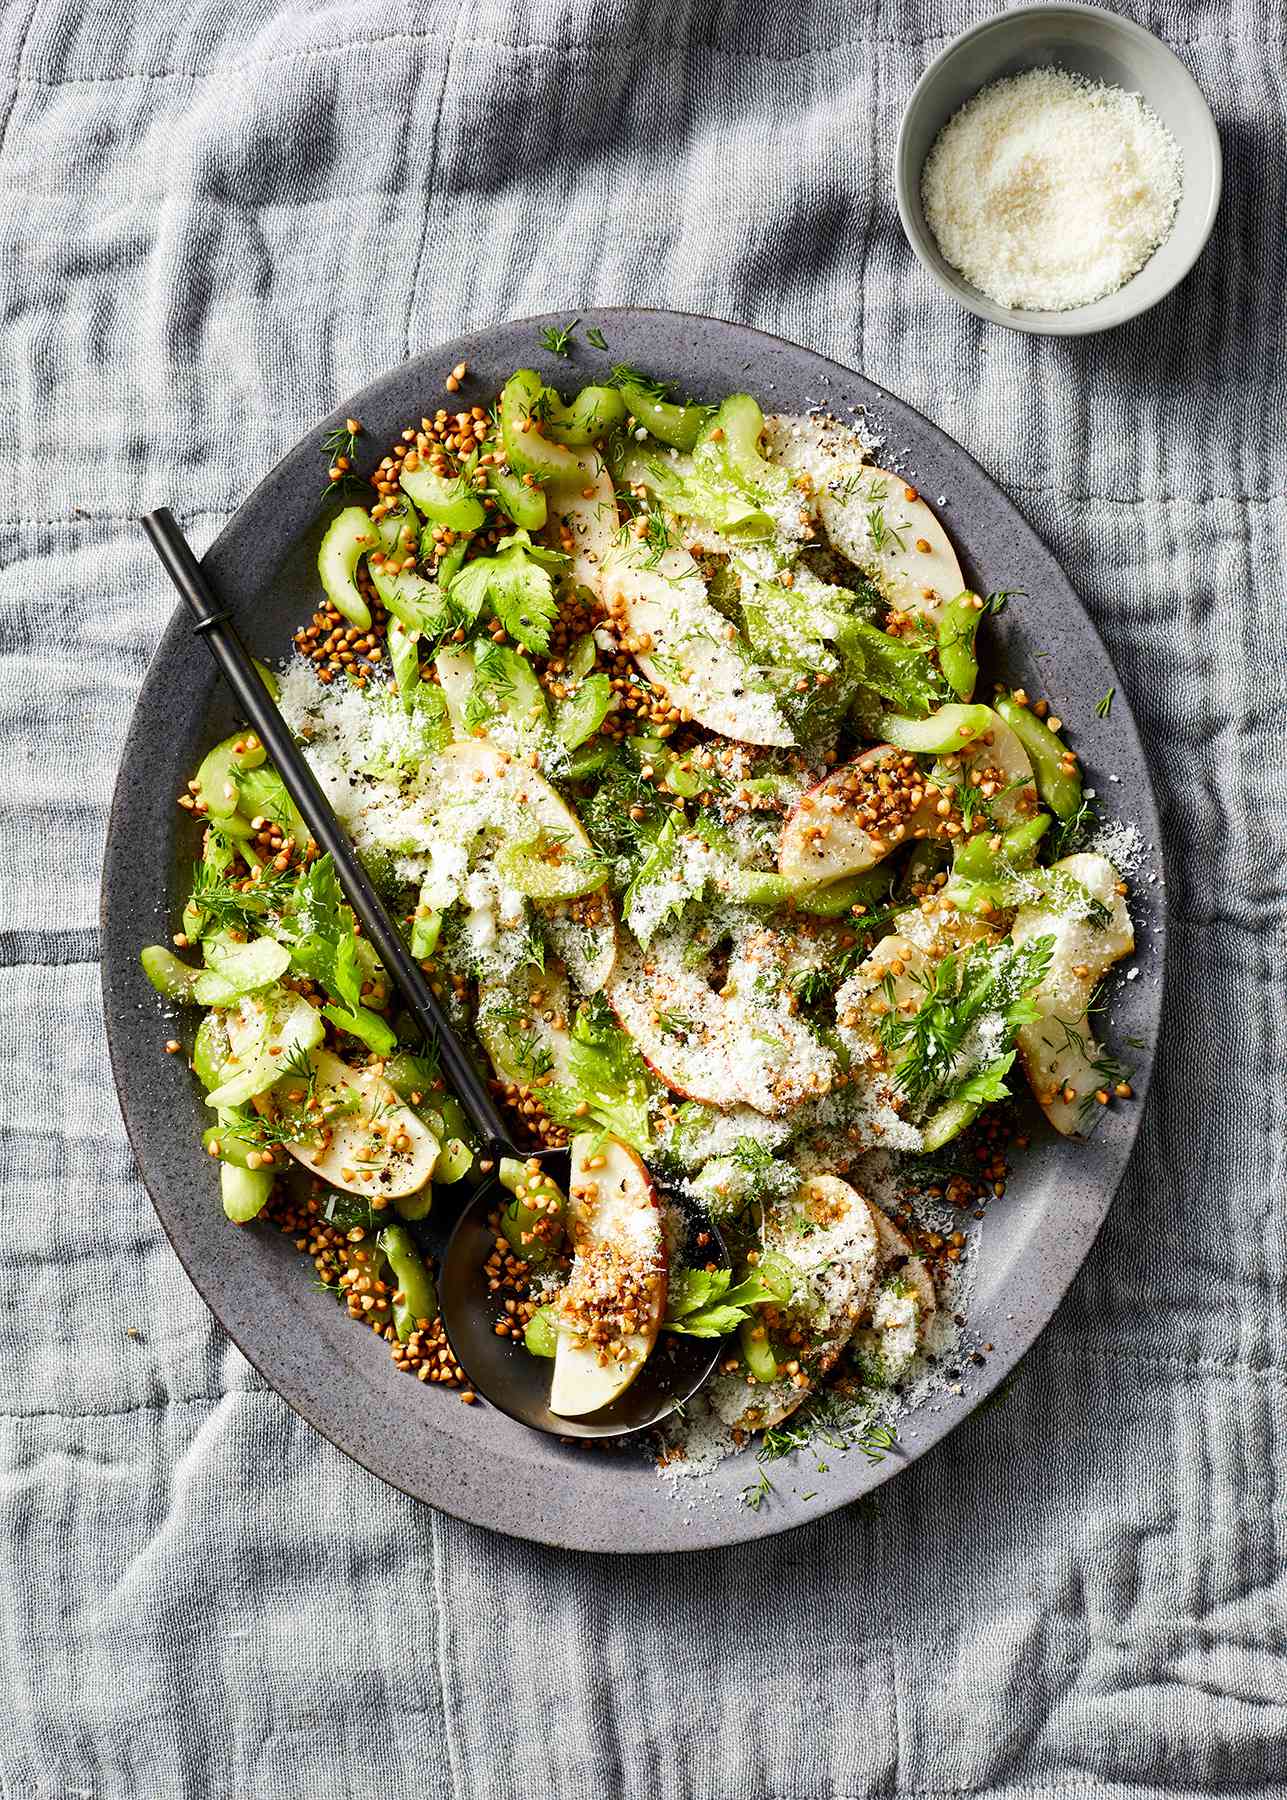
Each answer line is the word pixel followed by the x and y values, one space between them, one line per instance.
pixel 1048 191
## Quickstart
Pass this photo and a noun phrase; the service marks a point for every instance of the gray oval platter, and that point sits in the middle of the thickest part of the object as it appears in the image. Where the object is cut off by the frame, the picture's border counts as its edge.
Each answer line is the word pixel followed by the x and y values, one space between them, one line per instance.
pixel 472 1461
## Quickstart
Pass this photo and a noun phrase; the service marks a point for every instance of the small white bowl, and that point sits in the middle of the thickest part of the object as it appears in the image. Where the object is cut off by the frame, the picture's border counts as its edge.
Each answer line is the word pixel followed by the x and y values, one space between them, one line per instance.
pixel 1103 47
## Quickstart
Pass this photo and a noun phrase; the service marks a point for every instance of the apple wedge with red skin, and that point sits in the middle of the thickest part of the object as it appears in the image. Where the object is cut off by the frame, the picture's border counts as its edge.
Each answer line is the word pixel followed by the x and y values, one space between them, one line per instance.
pixel 824 838
pixel 619 1268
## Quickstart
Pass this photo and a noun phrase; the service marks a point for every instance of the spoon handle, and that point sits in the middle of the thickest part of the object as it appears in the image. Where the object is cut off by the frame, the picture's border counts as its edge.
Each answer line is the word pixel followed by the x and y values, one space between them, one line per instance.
pixel 214 624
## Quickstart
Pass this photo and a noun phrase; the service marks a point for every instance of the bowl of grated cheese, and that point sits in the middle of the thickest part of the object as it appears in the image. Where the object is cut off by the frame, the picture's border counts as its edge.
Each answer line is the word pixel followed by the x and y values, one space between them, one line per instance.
pixel 1058 170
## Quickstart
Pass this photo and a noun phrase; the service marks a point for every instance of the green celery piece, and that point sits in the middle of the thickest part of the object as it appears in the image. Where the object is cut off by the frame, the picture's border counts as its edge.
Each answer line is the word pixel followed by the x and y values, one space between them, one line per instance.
pixel 390 526
pixel 169 976
pixel 584 653
pixel 868 888
pixel 951 728
pixel 291 1029
pixel 220 767
pixel 245 1191
pixel 950 1119
pixel 232 1139
pixel 419 1302
pixel 417 604
pixel 236 969
pixel 530 869
pixel 455 1160
pixel 680 426
pixel 958 627
pixel 404 655
pixel 541 1336
pixel 520 501
pixel 263 795
pixel 345 542
pixel 367 1026
pixel 425 928
pixel 1059 788
pixel 980 874
pixel 733 441
pixel 595 412
pixel 587 761
pixel 450 503
pixel 580 716
pixel 757 1352
pixel 210 1051
pixel 527 451
pixel 532 1229
pixel 504 682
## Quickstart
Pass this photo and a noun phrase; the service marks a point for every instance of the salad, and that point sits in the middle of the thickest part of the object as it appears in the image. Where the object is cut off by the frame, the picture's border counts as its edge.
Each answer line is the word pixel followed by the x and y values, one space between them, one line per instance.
pixel 659 725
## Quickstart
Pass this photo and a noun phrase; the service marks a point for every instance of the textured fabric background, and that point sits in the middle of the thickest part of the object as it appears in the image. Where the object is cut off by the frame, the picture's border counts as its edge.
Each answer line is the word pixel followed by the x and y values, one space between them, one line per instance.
pixel 218 219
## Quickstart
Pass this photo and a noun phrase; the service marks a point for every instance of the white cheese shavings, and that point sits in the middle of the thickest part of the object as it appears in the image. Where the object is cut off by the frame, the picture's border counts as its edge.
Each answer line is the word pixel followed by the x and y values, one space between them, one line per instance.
pixel 1048 191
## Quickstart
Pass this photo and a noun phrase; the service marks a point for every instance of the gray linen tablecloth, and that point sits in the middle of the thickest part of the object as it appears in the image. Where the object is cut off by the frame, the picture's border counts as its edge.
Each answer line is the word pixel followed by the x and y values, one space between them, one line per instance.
pixel 219 219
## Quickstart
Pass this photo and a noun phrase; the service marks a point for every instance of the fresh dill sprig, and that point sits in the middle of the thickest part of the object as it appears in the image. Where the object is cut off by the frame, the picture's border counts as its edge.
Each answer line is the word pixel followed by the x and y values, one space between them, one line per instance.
pixel 834 1419
pixel 1105 706
pixel 756 1492
pixel 558 341
pixel 238 904
pixel 1070 834
pixel 625 375
pixel 997 602
pixel 958 991
pixel 595 338
pixel 882 534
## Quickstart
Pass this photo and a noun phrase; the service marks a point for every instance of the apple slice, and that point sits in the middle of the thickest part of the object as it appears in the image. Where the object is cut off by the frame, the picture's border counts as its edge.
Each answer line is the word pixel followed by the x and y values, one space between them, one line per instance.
pixel 893 974
pixel 1005 775
pixel 523 1025
pixel 900 1262
pixel 587 513
pixel 862 811
pixel 874 518
pixel 855 817
pixel 1059 1050
pixel 366 1141
pixel 726 1047
pixel 480 786
pixel 687 649
pixel 610 1312
pixel 828 1236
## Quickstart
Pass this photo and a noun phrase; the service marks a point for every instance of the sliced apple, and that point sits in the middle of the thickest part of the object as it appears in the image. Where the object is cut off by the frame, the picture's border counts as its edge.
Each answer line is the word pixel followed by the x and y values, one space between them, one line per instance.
pixel 886 1349
pixel 479 786
pixel 609 1314
pixel 847 823
pixel 686 648
pixel 827 1235
pixel 365 1140
pixel 725 1047
pixel 1005 779
pixel 1059 1050
pixel 864 810
pixel 587 514
pixel 523 1025
pixel 456 678
pixel 874 518
pixel 893 974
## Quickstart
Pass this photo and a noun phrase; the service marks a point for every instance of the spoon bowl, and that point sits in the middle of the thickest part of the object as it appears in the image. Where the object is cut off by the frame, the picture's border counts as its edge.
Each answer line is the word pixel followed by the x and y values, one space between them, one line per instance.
pixel 518 1383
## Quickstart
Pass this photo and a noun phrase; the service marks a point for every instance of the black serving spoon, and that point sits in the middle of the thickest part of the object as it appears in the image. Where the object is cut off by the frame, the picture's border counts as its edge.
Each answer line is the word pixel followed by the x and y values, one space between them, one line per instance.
pixel 514 1381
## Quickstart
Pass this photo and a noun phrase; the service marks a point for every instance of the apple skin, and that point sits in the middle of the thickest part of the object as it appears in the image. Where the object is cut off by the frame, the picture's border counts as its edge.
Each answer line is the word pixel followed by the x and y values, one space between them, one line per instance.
pixel 613 1204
